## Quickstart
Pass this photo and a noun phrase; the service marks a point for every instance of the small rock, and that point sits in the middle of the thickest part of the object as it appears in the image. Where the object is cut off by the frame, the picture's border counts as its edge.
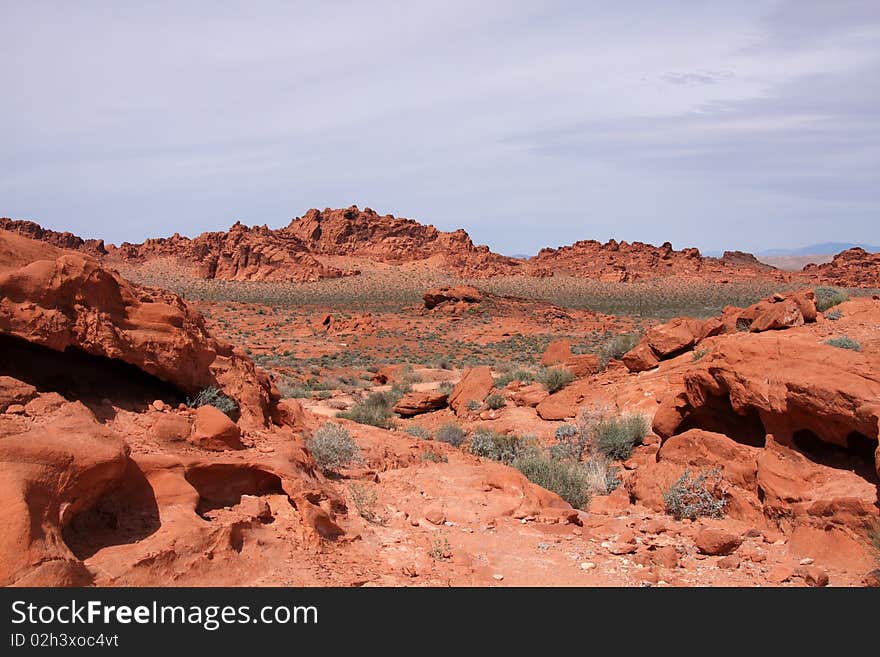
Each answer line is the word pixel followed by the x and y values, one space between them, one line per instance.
pixel 730 562
pixel 806 561
pixel 159 405
pixel 435 516
pixel 255 507
pixel 813 575
pixel 498 577
pixel 715 541
pixel 15 409
pixel 872 579
pixel 587 565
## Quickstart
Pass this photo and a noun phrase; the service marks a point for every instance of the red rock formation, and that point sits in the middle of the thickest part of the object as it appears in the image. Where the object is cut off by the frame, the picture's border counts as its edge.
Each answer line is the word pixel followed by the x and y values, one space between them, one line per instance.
pixel 625 262
pixel 777 312
pixel 240 254
pixel 851 268
pixel 462 294
pixel 63 240
pixel 61 300
pixel 384 238
pixel 416 403
pixel 475 386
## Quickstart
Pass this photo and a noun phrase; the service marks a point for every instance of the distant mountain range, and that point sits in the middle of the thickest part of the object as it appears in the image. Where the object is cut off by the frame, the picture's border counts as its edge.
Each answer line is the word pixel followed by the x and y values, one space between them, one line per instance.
pixel 826 248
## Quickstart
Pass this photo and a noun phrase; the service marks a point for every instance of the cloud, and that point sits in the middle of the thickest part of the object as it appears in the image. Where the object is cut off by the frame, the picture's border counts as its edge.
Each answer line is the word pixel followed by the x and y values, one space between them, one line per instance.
pixel 526 123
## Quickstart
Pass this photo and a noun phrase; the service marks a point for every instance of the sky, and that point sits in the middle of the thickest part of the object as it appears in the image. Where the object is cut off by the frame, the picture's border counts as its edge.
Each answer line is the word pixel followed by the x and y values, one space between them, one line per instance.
pixel 748 125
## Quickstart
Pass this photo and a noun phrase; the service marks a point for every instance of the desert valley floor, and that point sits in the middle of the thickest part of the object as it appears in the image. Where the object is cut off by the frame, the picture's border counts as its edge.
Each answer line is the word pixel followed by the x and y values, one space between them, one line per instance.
pixel 358 400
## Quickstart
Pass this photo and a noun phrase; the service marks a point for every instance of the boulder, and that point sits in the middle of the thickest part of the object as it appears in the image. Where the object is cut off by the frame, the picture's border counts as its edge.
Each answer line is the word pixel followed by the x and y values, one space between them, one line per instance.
pixel 416 403
pixel 475 385
pixel 214 430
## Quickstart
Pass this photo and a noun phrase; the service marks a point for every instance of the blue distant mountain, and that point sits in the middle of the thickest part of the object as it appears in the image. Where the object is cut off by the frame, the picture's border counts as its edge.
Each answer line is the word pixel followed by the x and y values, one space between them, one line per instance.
pixel 826 248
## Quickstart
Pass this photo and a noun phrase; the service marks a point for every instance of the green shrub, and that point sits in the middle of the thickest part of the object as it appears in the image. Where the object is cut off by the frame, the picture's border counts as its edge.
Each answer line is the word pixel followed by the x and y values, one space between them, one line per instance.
pixel 450 433
pixel 497 446
pixel 555 378
pixel 833 315
pixel 213 397
pixel 698 354
pixel 828 297
pixel 434 457
pixel 617 346
pixel 570 443
pixel 473 405
pixel 418 431
pixel 375 410
pixel 332 447
pixel 601 475
pixel 446 387
pixel 844 342
pixel 692 498
pixel 365 502
pixel 617 436
pixel 496 401
pixel 568 480
pixel 521 375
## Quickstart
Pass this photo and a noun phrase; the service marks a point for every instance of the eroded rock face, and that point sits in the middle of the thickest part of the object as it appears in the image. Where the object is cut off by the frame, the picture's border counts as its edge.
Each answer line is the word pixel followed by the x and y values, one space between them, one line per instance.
pixel 416 403
pixel 460 294
pixel 792 426
pixel 851 268
pixel 240 254
pixel 625 262
pixel 61 300
pixel 777 312
pixel 475 386
pixel 63 240
pixel 384 238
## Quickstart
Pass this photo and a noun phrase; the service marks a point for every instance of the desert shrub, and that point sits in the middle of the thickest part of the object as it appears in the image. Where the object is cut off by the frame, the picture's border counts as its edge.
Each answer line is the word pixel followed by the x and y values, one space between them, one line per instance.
pixel 399 389
pixel 497 446
pixel 521 375
pixel 495 401
pixel 692 498
pixel 698 354
pixel 566 479
pixel 833 315
pixel 617 436
pixel 441 549
pixel 332 447
pixel 601 475
pixel 418 431
pixel 364 499
pixel 450 433
pixel 212 397
pixel 743 324
pixel 828 297
pixel 293 390
pixel 374 410
pixel 844 342
pixel 570 443
pixel 434 457
pixel 473 405
pixel 617 346
pixel 408 375
pixel 554 378
pixel 874 539
pixel 446 387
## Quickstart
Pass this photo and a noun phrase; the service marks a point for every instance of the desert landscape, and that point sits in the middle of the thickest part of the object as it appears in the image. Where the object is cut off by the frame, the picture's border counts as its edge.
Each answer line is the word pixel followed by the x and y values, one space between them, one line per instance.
pixel 357 399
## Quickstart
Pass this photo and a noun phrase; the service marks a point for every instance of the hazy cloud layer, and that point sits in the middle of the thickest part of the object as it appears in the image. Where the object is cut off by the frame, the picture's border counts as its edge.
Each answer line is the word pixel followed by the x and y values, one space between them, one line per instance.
pixel 749 125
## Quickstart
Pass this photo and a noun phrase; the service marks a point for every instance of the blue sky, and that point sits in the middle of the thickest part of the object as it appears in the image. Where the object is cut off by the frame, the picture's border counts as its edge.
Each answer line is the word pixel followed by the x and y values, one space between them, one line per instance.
pixel 746 125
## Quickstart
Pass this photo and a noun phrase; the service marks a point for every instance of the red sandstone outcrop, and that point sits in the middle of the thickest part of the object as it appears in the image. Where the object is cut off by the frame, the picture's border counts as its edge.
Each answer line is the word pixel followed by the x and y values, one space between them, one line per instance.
pixel 240 254
pixel 63 240
pixel 625 262
pixel 777 312
pixel 385 238
pixel 462 294
pixel 475 386
pixel 416 403
pixel 851 268
pixel 60 300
